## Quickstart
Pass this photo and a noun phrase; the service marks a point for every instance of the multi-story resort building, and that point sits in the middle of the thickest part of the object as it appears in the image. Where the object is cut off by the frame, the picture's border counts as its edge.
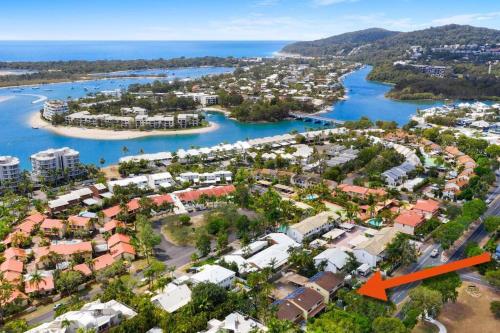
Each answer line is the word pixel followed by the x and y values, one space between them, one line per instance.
pixel 48 163
pixel 188 120
pixel 54 107
pixel 9 171
pixel 85 118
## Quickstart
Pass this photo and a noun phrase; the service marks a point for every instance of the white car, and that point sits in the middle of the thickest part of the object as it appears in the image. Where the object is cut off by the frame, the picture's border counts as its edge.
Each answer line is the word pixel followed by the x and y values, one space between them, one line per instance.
pixel 434 253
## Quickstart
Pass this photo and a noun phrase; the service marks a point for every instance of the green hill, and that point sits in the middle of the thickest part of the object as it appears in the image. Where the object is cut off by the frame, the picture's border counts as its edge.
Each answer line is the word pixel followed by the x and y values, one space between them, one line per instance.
pixel 377 45
pixel 339 45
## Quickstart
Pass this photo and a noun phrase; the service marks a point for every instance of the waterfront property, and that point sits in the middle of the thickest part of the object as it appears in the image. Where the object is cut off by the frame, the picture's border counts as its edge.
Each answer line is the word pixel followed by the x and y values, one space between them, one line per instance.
pixel 9 171
pixel 52 164
pixel 54 108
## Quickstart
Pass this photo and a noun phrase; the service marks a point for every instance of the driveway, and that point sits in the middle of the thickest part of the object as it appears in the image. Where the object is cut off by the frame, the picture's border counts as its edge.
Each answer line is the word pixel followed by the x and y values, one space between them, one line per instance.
pixel 169 253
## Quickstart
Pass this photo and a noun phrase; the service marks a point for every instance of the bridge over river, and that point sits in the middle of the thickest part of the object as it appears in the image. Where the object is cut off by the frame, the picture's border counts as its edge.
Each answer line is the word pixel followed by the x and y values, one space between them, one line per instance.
pixel 314 118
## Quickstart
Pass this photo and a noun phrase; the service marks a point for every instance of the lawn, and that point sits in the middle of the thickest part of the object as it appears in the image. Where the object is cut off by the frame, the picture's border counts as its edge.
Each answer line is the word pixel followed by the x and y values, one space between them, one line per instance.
pixel 471 313
pixel 181 235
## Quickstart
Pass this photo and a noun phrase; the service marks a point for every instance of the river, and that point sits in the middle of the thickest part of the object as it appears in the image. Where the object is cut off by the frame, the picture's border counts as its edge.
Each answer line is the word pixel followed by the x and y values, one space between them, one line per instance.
pixel 17 138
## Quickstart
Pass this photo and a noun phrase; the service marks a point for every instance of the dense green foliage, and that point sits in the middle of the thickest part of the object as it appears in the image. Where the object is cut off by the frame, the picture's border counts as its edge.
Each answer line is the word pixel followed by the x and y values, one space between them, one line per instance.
pixel 54 71
pixel 448 233
pixel 340 44
pixel 274 110
pixel 446 284
pixel 411 84
pixel 380 45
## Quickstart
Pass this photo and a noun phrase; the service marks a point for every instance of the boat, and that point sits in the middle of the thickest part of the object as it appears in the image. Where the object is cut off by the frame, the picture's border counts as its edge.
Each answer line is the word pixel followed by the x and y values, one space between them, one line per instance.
pixel 34 127
pixel 35 88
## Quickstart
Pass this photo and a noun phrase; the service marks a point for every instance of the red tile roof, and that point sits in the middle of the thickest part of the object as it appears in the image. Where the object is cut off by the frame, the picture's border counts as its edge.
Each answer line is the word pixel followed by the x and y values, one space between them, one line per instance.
pixel 9 237
pixel 453 151
pixel 361 190
pixel 69 249
pixel 121 248
pixel 194 195
pixel 14 252
pixel 12 265
pixel 37 218
pixel 83 268
pixel 103 261
pixel 410 218
pixel 79 221
pixel 30 223
pixel 47 284
pixel 430 206
pixel 162 198
pixel 63 249
pixel 16 294
pixel 113 224
pixel 13 277
pixel 112 212
pixel 118 238
pixel 52 224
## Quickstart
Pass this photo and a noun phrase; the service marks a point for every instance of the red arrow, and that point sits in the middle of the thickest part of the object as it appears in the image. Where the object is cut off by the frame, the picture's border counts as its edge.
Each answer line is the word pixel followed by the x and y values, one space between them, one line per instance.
pixel 376 287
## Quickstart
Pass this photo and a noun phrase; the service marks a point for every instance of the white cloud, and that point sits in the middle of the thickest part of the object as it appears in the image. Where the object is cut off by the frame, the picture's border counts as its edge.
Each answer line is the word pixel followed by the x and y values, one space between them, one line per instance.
pixel 467 18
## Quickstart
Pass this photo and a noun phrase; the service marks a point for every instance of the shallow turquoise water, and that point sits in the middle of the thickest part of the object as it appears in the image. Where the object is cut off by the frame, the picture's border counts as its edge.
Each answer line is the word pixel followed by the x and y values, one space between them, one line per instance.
pixel 19 139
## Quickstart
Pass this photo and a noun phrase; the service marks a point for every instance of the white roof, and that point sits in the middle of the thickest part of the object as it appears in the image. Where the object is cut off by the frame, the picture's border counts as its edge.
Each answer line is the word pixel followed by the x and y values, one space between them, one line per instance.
pixel 333 234
pixel 236 323
pixel 213 274
pixel 314 222
pixel 334 255
pixel 173 298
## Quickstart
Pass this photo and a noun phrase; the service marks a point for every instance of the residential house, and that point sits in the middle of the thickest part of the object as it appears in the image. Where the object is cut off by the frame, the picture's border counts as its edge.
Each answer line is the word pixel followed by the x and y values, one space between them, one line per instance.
pixel 313 225
pixel 326 283
pixel 428 208
pixel 333 259
pixel 215 274
pixel 408 222
pixel 53 227
pixel 95 316
pixel 307 300
pixel 372 250
pixel 173 297
pixel 235 323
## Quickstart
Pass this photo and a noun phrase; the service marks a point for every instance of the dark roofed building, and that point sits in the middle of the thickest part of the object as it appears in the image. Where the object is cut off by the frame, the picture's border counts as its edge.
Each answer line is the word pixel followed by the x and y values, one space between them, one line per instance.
pixel 326 283
pixel 288 311
pixel 308 301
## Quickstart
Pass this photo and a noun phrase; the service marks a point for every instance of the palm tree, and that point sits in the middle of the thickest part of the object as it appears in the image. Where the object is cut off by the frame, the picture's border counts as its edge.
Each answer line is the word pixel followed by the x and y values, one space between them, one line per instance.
pixel 6 290
pixel 36 280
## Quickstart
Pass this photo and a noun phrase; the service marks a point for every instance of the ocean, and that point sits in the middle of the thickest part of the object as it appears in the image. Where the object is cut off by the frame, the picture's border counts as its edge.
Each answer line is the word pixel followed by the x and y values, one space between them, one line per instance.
pixel 129 50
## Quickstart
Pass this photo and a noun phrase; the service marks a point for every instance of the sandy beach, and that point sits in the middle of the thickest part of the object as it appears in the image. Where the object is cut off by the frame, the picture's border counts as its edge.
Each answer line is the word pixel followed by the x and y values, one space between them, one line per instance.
pixel 35 120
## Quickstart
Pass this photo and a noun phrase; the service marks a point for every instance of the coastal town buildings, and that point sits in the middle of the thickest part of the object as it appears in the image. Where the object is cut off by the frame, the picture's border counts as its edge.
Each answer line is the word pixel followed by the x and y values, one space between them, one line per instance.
pixel 53 108
pixel 52 164
pixel 10 171
pixel 96 316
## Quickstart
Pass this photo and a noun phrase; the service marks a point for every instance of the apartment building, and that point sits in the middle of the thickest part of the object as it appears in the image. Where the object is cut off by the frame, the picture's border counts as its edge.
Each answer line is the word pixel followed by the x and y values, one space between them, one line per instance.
pixel 10 171
pixel 54 107
pixel 188 120
pixel 52 164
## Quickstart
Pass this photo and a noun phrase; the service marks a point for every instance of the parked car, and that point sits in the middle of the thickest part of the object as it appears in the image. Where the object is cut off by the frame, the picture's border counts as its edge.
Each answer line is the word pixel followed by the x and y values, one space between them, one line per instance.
pixel 434 253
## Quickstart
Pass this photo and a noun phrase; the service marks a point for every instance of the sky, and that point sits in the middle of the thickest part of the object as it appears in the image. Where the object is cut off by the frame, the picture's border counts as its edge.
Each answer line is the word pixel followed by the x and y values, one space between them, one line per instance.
pixel 230 19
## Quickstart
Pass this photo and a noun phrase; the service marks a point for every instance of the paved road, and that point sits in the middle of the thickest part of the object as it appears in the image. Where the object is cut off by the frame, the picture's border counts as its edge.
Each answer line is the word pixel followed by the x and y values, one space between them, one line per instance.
pixel 400 293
